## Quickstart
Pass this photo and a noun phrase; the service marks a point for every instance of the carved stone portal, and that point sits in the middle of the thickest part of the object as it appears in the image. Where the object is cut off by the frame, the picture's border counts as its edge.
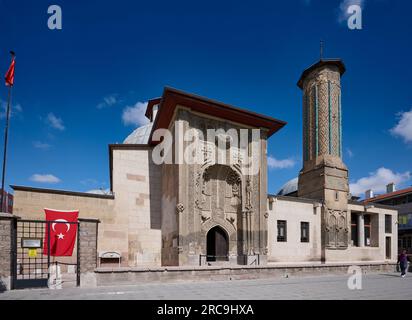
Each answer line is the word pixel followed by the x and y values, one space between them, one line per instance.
pixel 336 226
pixel 218 193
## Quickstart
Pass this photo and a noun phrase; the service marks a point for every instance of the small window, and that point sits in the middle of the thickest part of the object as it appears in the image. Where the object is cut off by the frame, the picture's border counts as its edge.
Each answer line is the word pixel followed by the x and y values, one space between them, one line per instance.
pixel 304 232
pixel 403 219
pixel 354 229
pixel 282 236
pixel 270 204
pixel 388 223
pixel 336 196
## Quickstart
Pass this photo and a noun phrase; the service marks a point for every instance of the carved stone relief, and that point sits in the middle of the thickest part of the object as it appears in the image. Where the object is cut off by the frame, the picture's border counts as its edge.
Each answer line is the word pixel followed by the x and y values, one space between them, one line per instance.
pixel 248 204
pixel 180 208
pixel 218 193
pixel 336 229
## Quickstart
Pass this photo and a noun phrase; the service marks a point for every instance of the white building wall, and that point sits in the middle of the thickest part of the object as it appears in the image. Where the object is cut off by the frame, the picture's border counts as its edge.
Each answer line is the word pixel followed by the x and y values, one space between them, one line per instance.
pixel 370 253
pixel 294 212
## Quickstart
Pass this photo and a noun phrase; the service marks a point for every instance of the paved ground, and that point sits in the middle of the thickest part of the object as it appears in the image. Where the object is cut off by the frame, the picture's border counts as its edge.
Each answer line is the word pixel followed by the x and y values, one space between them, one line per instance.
pixel 375 286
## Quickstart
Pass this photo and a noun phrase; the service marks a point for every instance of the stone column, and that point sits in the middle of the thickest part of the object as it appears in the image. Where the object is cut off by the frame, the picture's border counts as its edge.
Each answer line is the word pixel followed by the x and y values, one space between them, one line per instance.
pixel 361 230
pixel 244 233
pixel 88 232
pixel 7 229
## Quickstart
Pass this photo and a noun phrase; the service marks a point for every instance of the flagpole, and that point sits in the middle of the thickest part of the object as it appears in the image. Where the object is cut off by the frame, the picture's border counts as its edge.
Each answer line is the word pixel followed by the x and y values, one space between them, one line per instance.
pixel 6 134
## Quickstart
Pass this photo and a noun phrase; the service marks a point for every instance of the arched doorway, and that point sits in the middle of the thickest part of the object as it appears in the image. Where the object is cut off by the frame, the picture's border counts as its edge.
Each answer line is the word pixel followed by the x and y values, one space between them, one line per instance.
pixel 217 245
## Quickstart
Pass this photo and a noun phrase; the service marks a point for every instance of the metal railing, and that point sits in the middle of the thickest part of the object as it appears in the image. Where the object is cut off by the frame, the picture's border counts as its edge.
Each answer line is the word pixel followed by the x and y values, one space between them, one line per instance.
pixel 245 258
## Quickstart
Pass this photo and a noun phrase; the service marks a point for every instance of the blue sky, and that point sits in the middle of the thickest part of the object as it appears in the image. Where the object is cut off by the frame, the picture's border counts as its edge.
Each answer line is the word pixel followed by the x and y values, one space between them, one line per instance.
pixel 73 86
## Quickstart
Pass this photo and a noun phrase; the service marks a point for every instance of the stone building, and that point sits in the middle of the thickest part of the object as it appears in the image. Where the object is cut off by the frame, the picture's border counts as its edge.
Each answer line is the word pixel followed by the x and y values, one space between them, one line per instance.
pixel 402 201
pixel 326 224
pixel 190 188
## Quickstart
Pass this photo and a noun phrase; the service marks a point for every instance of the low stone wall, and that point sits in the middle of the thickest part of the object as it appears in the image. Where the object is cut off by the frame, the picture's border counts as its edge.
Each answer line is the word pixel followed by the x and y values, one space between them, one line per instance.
pixel 7 222
pixel 134 276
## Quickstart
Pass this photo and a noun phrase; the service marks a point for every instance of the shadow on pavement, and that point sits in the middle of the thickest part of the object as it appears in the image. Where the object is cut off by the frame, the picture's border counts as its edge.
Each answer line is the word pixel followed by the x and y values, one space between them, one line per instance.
pixel 390 275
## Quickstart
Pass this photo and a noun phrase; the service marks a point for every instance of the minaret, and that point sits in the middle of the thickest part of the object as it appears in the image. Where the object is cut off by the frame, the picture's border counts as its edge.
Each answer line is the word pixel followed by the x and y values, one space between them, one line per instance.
pixel 324 176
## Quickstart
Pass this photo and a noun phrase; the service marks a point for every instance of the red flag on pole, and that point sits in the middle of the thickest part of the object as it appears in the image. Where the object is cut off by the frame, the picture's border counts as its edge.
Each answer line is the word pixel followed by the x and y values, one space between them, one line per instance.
pixel 10 74
pixel 62 233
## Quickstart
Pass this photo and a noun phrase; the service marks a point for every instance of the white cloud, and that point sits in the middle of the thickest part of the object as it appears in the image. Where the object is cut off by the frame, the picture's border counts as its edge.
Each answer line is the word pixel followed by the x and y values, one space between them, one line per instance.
pixel 108 101
pixel 343 8
pixel 55 122
pixel 274 163
pixel 378 180
pixel 403 128
pixel 135 115
pixel 41 145
pixel 89 181
pixel 99 191
pixel 44 178
pixel 15 109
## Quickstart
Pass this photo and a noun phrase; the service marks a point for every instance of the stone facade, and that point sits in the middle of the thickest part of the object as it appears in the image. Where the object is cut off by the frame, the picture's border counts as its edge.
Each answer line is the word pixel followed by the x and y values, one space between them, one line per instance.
pixel 88 244
pixel 136 185
pixel 88 231
pixel 6 228
pixel 199 197
pixel 175 213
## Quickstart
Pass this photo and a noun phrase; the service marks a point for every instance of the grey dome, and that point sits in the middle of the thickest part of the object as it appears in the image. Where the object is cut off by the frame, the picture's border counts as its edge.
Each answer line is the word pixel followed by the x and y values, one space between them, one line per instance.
pixel 140 135
pixel 289 187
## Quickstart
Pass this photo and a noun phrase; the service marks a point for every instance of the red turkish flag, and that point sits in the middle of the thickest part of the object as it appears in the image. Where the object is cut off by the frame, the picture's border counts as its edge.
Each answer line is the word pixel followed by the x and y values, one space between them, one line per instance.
pixel 62 233
pixel 10 74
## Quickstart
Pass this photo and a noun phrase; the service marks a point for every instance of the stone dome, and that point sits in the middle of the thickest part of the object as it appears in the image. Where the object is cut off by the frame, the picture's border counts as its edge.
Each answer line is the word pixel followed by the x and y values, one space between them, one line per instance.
pixel 289 187
pixel 140 135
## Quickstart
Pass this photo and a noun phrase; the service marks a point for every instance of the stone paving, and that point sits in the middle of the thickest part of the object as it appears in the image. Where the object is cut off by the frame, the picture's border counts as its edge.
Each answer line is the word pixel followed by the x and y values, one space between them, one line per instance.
pixel 374 286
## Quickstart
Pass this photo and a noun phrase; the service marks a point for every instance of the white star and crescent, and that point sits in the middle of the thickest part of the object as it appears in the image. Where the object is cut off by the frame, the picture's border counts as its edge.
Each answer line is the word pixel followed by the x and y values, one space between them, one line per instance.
pixel 60 236
pixel 61 220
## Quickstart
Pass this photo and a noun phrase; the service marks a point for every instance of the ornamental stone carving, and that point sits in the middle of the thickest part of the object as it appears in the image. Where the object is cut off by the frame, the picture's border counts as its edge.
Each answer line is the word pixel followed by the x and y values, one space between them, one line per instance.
pixel 248 204
pixel 336 227
pixel 180 208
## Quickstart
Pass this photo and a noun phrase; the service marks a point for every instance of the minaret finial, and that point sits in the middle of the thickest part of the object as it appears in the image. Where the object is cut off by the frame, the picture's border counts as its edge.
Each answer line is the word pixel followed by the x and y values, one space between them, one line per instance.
pixel 321 49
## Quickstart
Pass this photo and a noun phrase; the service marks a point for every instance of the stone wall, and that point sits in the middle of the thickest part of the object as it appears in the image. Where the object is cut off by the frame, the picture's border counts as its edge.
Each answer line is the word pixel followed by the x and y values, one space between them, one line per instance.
pixel 130 219
pixel 29 203
pixel 133 276
pixel 88 231
pixel 137 189
pixel 376 252
pixel 6 227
